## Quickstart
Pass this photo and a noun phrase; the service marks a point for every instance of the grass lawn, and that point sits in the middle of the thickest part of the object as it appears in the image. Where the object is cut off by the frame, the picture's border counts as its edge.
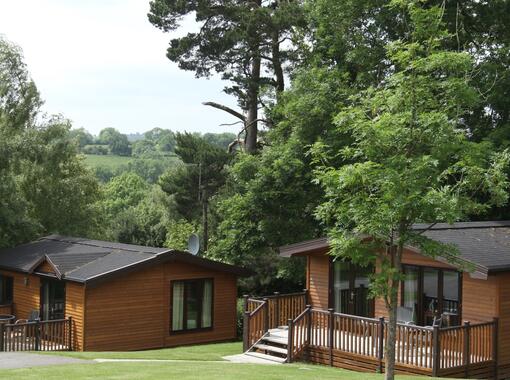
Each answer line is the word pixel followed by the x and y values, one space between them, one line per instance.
pixel 203 362
pixel 109 161
pixel 189 371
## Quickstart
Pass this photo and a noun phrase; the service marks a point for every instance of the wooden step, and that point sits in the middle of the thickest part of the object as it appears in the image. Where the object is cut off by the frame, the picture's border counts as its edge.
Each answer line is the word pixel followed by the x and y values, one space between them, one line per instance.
pixel 275 339
pixel 266 347
pixel 267 357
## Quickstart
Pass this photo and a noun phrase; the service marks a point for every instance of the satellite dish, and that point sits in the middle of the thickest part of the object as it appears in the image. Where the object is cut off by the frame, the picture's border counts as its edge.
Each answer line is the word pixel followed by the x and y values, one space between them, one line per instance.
pixel 193 244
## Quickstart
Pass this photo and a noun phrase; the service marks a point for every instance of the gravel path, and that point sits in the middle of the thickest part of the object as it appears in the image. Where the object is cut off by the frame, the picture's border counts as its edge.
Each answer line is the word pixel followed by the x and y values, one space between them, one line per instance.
pixel 9 360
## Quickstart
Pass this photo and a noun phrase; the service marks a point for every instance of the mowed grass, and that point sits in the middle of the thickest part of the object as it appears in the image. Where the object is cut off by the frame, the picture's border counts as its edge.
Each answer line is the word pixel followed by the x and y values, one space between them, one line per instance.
pixel 199 362
pixel 190 371
pixel 201 352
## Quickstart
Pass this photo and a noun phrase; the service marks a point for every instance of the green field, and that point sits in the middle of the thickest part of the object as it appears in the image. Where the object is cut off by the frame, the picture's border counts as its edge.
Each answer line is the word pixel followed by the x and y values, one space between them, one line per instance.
pixel 109 161
pixel 196 362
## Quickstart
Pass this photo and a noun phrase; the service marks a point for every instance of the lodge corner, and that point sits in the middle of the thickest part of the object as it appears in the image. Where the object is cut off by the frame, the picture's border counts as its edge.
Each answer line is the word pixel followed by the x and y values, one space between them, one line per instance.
pixel 452 323
pixel 64 293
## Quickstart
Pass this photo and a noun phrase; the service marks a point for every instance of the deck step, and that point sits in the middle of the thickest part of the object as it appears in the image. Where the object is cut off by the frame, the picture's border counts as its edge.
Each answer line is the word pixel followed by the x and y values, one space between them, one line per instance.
pixel 276 339
pixel 267 357
pixel 266 347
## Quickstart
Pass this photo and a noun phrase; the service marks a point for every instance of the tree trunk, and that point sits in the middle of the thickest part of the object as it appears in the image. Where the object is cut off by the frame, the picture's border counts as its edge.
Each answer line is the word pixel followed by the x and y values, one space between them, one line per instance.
pixel 277 64
pixel 396 260
pixel 250 140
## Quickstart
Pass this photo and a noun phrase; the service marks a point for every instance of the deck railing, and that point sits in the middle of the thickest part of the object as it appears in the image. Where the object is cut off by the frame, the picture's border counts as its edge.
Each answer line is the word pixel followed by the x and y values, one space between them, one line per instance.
pixel 433 350
pixel 54 335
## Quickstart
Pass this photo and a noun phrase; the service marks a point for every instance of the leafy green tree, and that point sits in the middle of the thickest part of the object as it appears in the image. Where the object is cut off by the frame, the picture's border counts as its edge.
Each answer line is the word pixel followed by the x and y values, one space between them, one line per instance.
pixel 178 234
pixel 410 160
pixel 240 41
pixel 117 142
pixel 198 179
pixel 44 186
pixel 81 136
pixel 124 191
pixel 163 139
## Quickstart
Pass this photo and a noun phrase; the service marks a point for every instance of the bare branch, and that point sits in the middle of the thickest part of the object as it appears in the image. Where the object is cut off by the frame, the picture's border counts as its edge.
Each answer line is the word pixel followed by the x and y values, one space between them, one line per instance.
pixel 226 109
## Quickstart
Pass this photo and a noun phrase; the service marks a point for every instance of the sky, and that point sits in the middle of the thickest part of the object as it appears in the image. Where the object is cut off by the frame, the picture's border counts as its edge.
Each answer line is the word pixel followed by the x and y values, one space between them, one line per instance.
pixel 101 63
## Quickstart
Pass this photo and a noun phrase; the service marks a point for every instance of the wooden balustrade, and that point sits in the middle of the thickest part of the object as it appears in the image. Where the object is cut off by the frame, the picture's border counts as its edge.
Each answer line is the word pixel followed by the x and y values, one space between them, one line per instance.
pixel 52 335
pixel 325 335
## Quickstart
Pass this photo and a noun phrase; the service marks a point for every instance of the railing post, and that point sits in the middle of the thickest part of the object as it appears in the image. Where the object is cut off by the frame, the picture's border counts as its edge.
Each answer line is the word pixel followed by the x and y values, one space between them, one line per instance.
pixel 306 296
pixel 266 315
pixel 495 336
pixel 435 351
pixel 380 350
pixel 277 308
pixel 2 331
pixel 37 334
pixel 467 348
pixel 331 335
pixel 309 325
pixel 70 333
pixel 246 331
pixel 245 297
pixel 290 341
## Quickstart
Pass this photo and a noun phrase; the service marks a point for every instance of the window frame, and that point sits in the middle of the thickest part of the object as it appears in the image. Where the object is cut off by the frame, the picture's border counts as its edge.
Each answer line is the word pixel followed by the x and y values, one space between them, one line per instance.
pixel 185 329
pixel 440 289
pixel 4 278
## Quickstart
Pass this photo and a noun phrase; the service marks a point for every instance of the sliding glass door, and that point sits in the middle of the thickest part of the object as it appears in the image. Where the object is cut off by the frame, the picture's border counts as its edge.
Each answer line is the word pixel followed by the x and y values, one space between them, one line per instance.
pixel 430 293
pixel 350 289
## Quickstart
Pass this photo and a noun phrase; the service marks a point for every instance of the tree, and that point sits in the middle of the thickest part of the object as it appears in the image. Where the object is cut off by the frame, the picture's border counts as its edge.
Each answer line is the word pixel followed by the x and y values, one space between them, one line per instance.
pixel 124 191
pixel 81 136
pixel 117 142
pixel 409 161
pixel 239 40
pixel 44 187
pixel 192 185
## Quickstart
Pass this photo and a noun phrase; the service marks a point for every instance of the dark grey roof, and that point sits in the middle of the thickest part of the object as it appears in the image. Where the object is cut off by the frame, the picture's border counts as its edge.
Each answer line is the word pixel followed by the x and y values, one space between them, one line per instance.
pixel 484 244
pixel 85 260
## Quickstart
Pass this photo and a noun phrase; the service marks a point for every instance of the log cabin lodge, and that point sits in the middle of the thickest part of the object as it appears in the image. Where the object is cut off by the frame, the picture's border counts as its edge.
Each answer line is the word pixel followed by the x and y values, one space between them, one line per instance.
pixel 89 295
pixel 335 322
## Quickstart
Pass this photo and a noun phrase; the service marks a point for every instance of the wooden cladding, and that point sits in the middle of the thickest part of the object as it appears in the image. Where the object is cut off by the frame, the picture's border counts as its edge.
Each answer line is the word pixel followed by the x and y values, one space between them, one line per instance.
pixel 133 312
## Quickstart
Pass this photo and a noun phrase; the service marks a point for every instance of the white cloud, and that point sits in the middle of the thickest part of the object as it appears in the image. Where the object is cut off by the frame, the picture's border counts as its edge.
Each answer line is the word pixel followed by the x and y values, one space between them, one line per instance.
pixel 101 63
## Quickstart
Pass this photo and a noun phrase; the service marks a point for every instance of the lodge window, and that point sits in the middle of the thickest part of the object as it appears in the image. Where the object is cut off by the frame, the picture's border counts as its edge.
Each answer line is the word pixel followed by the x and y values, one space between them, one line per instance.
pixel 192 305
pixel 432 292
pixel 6 292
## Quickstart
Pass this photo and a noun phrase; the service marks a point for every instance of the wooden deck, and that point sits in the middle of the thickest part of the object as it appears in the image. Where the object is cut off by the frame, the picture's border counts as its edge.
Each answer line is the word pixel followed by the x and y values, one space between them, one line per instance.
pixel 54 335
pixel 358 343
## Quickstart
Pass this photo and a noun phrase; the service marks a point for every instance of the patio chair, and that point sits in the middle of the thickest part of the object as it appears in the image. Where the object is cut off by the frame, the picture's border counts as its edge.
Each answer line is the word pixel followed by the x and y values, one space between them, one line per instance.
pixel 405 315
pixel 438 321
pixel 33 316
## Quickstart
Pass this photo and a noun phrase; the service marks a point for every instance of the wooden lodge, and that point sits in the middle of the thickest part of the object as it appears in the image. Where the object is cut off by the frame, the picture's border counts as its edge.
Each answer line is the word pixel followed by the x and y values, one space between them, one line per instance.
pixel 335 322
pixel 78 294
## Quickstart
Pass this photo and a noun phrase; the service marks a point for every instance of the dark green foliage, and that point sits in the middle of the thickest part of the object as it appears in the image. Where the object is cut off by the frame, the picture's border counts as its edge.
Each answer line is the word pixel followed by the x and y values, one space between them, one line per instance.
pixel 44 186
pixel 117 142
pixel 201 174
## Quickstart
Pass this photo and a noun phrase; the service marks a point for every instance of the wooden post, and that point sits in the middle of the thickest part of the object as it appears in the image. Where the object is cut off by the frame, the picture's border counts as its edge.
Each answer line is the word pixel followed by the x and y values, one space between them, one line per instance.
pixel 495 336
pixel 467 348
pixel 306 296
pixel 380 350
pixel 277 308
pixel 246 331
pixel 70 333
pixel 37 334
pixel 331 335
pixel 435 351
pixel 266 315
pixel 290 342
pixel 246 296
pixel 2 331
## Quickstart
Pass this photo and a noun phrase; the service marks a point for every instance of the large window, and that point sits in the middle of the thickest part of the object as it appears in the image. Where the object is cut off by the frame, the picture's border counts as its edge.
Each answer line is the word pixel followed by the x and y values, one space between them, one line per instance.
pixel 6 290
pixel 192 303
pixel 432 292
